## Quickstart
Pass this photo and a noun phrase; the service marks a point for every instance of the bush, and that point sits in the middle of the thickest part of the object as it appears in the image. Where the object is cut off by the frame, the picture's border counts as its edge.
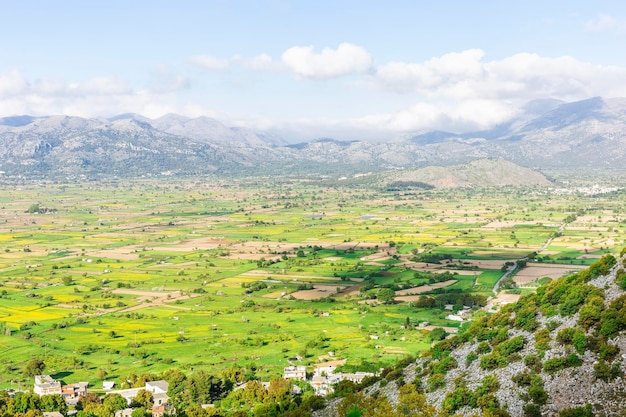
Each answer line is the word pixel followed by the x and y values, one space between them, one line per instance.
pixel 602 370
pixel 556 364
pixel 585 411
pixel 572 336
pixel 542 339
pixel 482 348
pixel 533 362
pixel 492 361
pixel 523 378
pixel 532 410
pixel 536 391
pixel 435 382
pixel 515 344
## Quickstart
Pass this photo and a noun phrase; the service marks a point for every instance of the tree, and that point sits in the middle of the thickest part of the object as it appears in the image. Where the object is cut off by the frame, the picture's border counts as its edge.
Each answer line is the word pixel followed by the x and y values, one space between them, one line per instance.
pixel 33 208
pixel 196 411
pixel 101 373
pixel 115 402
pixel 412 403
pixel 88 401
pixel 437 334
pixel 53 402
pixel 24 401
pixel 67 279
pixel 140 412
pixel 386 295
pixel 34 367
pixel 143 399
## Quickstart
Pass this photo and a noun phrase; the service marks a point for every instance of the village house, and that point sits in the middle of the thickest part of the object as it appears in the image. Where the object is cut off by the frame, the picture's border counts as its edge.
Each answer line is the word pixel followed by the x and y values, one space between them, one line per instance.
pixel 294 372
pixel 74 391
pixel 45 385
pixel 324 376
pixel 158 389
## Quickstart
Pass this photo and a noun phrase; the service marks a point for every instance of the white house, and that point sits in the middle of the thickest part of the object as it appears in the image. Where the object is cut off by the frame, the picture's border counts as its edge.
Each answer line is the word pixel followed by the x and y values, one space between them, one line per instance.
pixel 45 385
pixel 158 389
pixel 294 372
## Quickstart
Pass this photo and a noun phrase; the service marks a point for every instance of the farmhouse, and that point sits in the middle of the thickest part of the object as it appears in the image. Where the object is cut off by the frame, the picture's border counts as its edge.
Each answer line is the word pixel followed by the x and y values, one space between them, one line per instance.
pixel 158 389
pixel 45 385
pixel 294 372
pixel 324 377
pixel 327 368
pixel 73 392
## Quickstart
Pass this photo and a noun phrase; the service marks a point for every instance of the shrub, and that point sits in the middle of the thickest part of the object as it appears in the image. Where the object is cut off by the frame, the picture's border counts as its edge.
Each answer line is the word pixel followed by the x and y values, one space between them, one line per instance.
pixel 585 411
pixel 435 382
pixel 542 339
pixel 572 336
pixel 556 364
pixel 552 325
pixel 492 361
pixel 443 366
pixel 602 370
pixel 482 348
pixel 460 397
pixel 525 318
pixel 608 352
pixel 532 410
pixel 533 362
pixel 536 391
pixel 523 378
pixel 515 344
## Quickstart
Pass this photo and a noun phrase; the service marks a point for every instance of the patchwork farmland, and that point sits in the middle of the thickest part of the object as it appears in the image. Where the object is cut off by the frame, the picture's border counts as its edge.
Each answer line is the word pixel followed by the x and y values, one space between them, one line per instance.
pixel 99 280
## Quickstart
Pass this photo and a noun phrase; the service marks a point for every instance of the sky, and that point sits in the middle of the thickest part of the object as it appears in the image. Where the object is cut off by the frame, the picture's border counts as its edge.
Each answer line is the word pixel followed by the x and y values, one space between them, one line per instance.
pixel 305 69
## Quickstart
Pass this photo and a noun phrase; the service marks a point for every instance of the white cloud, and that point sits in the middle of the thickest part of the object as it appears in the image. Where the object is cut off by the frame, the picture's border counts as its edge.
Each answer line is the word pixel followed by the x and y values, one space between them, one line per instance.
pixel 210 62
pixel 12 83
pixel 101 86
pixel 98 96
pixel 302 61
pixel 262 62
pixel 466 76
pixel 329 63
pixel 601 23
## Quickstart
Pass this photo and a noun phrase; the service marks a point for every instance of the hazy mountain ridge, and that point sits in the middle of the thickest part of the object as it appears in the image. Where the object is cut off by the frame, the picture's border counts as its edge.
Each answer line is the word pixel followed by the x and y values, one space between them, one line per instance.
pixel 547 134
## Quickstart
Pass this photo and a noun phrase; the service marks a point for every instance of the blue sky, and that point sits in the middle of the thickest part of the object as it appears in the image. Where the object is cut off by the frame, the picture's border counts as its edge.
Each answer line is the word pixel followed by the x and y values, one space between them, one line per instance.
pixel 304 69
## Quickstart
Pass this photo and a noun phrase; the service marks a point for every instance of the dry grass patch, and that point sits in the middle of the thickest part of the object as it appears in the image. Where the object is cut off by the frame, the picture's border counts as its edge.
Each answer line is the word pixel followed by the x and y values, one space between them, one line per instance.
pixel 425 288
pixel 533 272
pixel 318 291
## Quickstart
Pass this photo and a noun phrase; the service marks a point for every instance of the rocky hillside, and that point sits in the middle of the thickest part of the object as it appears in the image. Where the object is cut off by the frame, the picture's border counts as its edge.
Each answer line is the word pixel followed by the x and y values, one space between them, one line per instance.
pixel 559 352
pixel 478 173
pixel 546 134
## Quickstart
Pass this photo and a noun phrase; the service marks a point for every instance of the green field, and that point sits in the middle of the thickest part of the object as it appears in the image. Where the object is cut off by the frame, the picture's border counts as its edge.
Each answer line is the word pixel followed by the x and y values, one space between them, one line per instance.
pixel 144 276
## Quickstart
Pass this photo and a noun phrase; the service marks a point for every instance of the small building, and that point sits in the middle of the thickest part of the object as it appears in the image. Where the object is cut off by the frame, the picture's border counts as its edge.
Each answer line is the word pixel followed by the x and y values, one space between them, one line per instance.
pixel 45 385
pixel 294 372
pixel 74 391
pixel 158 389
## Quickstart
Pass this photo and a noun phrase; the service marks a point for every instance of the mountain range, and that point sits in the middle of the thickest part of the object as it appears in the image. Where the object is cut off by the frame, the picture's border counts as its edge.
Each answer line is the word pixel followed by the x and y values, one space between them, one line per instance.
pixel 547 134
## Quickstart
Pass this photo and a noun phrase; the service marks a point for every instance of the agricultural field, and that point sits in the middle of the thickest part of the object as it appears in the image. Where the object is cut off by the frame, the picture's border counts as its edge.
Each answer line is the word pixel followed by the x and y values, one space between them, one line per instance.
pixel 102 279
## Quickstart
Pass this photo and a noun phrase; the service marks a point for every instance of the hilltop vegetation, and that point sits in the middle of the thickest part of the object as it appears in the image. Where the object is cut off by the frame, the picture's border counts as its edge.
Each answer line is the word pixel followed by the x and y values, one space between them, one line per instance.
pixel 558 351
